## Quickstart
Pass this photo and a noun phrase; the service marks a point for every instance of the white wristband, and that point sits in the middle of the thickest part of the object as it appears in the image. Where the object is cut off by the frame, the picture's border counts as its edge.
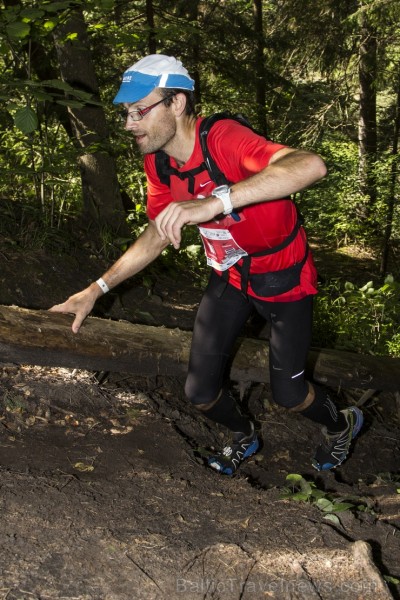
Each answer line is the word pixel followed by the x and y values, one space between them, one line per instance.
pixel 103 286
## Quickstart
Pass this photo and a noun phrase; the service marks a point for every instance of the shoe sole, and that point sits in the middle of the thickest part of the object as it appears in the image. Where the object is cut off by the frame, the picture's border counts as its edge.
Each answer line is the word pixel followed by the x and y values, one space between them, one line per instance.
pixel 218 466
pixel 358 423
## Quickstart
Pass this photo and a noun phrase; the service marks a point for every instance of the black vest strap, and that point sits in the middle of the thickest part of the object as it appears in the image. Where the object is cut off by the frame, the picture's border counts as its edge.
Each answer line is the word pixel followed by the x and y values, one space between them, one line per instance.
pixel 288 240
pixel 214 171
pixel 244 269
pixel 246 261
pixel 165 170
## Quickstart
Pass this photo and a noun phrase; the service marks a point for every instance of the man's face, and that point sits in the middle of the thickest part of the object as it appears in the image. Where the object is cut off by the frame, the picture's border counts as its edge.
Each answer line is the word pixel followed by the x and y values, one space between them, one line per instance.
pixel 156 129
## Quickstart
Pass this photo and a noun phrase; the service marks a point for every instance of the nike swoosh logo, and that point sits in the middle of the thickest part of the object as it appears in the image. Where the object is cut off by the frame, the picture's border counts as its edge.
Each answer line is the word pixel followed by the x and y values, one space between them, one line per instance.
pixel 203 184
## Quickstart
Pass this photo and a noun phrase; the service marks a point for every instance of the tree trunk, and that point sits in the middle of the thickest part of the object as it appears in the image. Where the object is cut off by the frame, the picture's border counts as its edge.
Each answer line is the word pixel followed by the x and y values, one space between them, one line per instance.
pixel 189 12
pixel 45 338
pixel 152 41
pixel 261 93
pixel 392 187
pixel 101 194
pixel 367 129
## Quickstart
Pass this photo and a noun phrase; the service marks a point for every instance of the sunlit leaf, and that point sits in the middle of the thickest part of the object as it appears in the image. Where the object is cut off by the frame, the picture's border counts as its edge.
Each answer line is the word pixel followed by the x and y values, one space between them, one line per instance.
pixel 294 477
pixel 83 467
pixel 49 25
pixel 342 506
pixel 300 497
pixel 333 518
pixel 324 504
pixel 390 579
pixel 367 286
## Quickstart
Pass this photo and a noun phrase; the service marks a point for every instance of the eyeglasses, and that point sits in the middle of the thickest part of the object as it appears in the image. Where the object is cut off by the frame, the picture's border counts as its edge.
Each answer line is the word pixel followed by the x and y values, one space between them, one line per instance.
pixel 138 113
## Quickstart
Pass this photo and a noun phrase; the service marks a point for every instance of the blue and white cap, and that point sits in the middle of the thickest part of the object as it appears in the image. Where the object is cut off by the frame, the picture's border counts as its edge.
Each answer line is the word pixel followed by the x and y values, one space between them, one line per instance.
pixel 153 71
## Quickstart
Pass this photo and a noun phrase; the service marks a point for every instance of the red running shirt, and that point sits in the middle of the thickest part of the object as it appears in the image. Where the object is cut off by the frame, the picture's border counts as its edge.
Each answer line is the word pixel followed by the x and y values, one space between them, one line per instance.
pixel 239 153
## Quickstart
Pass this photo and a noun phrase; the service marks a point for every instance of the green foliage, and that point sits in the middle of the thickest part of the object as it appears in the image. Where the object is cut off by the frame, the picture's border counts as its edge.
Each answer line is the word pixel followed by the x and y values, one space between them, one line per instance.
pixel 390 579
pixel 38 159
pixel 26 120
pixel 362 319
pixel 331 208
pixel 311 66
pixel 38 172
pixel 301 490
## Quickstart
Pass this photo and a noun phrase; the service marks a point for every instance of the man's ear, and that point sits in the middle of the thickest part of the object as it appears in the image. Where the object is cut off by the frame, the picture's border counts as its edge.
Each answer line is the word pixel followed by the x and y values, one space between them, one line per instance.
pixel 179 104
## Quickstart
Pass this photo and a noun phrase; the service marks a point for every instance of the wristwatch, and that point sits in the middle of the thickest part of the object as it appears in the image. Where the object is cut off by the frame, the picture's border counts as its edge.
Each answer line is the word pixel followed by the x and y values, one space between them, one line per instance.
pixel 223 192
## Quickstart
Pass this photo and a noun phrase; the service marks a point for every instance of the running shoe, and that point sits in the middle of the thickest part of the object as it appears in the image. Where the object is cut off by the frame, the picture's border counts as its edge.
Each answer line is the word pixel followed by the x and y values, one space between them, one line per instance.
pixel 335 446
pixel 241 447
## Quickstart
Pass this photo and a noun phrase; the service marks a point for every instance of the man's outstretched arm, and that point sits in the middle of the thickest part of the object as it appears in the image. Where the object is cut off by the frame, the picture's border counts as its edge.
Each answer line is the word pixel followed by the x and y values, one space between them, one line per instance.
pixel 143 251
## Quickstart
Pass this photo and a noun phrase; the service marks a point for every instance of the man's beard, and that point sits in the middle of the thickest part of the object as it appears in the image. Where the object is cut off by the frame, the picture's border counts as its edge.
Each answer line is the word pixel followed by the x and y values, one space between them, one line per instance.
pixel 153 142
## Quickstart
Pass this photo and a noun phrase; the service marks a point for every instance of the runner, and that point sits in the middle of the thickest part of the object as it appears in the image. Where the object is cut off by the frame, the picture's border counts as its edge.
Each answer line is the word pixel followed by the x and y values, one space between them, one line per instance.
pixel 253 240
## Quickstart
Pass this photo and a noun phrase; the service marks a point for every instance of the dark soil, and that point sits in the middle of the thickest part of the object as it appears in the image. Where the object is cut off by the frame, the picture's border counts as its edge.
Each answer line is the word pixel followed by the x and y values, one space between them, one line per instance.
pixel 105 495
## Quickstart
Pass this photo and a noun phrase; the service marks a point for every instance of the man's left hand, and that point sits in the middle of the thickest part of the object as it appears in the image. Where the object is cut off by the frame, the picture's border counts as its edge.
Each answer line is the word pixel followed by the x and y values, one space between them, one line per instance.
pixel 176 215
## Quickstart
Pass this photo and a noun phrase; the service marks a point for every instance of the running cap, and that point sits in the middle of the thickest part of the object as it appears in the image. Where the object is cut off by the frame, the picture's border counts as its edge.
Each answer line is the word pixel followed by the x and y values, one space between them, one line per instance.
pixel 155 70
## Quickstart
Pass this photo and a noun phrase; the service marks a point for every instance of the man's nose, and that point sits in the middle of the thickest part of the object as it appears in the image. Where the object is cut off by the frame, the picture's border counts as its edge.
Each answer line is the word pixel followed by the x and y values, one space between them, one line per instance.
pixel 131 125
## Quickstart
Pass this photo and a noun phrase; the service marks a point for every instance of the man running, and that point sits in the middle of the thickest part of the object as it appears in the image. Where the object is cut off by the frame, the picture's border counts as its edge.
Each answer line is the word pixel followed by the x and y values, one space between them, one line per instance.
pixel 254 244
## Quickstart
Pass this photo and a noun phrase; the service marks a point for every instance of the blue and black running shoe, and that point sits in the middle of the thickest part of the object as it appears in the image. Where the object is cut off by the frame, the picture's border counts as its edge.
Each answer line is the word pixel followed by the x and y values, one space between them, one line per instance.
pixel 234 454
pixel 335 446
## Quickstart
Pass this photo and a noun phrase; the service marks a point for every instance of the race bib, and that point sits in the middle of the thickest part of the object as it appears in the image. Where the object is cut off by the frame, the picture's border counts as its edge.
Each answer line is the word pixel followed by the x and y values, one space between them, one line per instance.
pixel 221 249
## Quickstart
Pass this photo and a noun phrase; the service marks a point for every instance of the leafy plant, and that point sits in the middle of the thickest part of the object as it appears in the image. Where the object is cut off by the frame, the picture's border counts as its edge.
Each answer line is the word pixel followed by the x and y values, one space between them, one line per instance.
pixel 301 490
pixel 360 319
pixel 390 579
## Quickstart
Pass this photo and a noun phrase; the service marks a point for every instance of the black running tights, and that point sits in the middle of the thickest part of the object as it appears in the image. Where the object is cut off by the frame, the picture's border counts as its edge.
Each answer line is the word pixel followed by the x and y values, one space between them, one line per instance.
pixel 219 321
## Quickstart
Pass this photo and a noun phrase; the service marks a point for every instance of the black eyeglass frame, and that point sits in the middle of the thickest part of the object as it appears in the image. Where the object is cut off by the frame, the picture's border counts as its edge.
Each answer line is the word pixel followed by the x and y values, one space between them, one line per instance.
pixel 141 112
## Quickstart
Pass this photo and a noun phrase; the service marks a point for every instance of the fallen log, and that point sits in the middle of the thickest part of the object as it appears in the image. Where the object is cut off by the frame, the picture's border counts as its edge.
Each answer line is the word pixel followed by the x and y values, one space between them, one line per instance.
pixel 43 338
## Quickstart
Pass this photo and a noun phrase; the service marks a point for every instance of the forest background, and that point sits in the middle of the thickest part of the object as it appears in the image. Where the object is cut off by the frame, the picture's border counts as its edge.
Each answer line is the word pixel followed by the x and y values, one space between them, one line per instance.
pixel 323 76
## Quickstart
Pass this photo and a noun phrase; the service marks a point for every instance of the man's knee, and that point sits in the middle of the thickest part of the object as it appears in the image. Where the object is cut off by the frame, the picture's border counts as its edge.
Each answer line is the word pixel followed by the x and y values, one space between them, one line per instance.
pixel 201 398
pixel 292 394
pixel 205 407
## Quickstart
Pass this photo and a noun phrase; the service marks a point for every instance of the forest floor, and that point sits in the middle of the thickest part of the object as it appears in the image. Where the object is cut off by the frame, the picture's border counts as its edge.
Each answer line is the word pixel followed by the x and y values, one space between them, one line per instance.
pixel 105 496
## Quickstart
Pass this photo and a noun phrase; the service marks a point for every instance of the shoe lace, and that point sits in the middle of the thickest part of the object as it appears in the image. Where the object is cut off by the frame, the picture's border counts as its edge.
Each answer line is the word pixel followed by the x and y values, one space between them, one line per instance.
pixel 333 439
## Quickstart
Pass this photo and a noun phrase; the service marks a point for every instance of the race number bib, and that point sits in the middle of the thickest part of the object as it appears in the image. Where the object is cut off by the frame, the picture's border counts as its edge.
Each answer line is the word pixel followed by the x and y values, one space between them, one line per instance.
pixel 221 249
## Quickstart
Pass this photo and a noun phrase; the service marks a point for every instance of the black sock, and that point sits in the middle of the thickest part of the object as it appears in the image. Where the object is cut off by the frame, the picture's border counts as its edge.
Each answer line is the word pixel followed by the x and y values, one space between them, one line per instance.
pixel 226 412
pixel 324 411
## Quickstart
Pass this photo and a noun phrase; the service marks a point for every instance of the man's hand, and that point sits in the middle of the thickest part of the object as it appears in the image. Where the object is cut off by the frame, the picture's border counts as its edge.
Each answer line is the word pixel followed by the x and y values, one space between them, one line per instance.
pixel 176 215
pixel 79 304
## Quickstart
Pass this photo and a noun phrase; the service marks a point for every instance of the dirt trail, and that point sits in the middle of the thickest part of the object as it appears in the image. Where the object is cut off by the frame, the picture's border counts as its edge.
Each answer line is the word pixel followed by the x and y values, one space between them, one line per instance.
pixel 102 497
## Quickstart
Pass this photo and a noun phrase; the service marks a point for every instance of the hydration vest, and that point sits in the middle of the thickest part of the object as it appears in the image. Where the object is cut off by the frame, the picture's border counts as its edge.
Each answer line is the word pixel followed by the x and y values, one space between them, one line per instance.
pixel 274 283
pixel 165 170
